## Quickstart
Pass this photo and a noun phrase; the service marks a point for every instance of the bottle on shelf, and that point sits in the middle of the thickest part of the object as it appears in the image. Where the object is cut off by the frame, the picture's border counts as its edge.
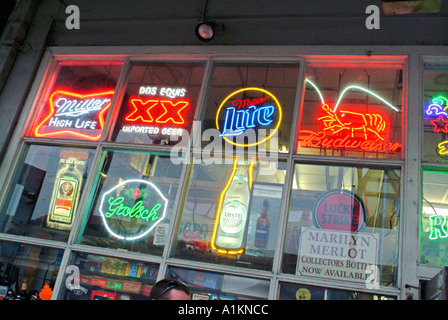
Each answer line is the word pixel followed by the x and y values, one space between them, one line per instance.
pixel 4 281
pixel 13 285
pixel 23 293
pixel 230 232
pixel 65 196
pixel 262 228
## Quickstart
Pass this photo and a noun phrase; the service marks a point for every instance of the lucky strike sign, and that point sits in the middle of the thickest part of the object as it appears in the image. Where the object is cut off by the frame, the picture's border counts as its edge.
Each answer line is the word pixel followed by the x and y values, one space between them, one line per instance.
pixel 340 210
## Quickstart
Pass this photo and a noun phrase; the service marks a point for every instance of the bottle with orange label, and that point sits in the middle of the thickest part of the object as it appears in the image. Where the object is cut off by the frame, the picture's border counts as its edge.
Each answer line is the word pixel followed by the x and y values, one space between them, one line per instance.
pixel 65 197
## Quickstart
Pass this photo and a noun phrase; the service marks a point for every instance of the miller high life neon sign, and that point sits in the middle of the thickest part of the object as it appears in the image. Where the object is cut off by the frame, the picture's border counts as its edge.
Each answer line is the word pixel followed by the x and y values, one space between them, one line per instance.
pixel 345 128
pixel 75 115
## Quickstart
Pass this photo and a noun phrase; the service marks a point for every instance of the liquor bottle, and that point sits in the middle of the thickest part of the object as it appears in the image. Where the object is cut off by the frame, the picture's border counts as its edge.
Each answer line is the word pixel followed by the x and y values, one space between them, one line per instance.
pixel 262 228
pixel 13 285
pixel 231 228
pixel 23 294
pixel 4 281
pixel 65 196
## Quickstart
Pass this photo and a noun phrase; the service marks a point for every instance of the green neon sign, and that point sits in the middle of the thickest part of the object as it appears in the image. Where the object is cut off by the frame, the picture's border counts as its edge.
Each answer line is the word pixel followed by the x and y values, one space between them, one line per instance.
pixel 437 225
pixel 132 209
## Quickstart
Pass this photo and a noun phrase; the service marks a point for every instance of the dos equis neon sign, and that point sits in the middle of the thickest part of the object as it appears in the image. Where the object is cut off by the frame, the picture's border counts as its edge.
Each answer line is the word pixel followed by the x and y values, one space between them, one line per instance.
pixel 236 115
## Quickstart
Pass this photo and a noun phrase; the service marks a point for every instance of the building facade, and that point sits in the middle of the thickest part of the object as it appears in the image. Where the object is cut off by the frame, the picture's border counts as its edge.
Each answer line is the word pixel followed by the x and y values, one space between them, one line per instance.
pixel 299 154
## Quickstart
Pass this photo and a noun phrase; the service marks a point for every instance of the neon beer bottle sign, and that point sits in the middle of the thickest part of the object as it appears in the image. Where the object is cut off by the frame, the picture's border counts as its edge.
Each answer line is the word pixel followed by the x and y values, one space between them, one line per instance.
pixel 132 209
pixel 235 116
pixel 75 115
pixel 346 128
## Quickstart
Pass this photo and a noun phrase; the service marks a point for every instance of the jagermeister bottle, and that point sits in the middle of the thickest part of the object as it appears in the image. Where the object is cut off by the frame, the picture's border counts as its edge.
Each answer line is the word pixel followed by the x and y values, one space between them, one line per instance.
pixel 65 196
pixel 230 232
pixel 262 228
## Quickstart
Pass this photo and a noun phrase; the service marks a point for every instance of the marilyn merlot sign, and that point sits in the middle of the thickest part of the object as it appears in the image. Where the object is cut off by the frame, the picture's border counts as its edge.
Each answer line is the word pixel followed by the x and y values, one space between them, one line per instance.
pixel 132 209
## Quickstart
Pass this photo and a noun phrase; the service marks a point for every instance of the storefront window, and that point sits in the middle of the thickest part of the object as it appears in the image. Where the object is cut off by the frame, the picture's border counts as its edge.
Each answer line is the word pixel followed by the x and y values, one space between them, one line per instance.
pixel 76 101
pixel 251 105
pixel 231 213
pixel 108 278
pixel 343 225
pixel 304 292
pixel 435 114
pixel 44 195
pixel 159 103
pixel 352 112
pixel 132 202
pixel 28 272
pixel 434 229
pixel 206 285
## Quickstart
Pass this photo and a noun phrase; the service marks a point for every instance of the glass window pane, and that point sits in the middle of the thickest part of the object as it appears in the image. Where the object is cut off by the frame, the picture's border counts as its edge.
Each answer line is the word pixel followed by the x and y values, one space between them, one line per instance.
pixel 352 112
pixel 290 291
pixel 76 101
pixel 159 103
pixel 251 105
pixel 231 213
pixel 28 272
pixel 434 229
pixel 343 224
pixel 435 106
pixel 108 278
pixel 133 202
pixel 206 285
pixel 44 196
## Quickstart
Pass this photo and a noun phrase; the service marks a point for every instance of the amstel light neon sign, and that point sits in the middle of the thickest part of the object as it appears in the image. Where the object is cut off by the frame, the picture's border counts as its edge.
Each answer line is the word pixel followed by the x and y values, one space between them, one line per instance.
pixel 132 209
pixel 437 112
pixel 235 116
pixel 346 129
pixel 75 115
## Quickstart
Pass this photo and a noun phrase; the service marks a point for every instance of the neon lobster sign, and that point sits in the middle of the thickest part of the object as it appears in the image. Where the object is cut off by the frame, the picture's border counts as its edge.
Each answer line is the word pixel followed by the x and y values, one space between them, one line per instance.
pixel 437 111
pixel 346 129
pixel 235 117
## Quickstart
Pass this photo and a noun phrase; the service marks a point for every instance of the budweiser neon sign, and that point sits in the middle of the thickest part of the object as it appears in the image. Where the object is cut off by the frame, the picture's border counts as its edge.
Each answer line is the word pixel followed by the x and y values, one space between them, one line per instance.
pixel 235 116
pixel 344 128
pixel 75 115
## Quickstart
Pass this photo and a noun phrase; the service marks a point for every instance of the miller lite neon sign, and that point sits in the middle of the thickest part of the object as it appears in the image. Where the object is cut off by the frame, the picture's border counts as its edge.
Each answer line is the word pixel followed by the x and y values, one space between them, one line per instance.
pixel 235 116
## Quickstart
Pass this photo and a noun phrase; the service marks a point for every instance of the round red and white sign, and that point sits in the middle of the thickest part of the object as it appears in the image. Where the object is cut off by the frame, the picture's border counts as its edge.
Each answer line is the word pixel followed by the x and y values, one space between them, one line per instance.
pixel 340 210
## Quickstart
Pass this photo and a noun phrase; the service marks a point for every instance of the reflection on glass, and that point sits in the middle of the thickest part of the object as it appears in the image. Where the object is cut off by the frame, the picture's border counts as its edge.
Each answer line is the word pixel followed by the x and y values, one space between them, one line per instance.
pixel 133 202
pixel 45 193
pixel 108 278
pixel 352 112
pixel 343 225
pixel 225 217
pixel 435 114
pixel 28 272
pixel 434 227
pixel 206 285
pixel 304 292
pixel 159 103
